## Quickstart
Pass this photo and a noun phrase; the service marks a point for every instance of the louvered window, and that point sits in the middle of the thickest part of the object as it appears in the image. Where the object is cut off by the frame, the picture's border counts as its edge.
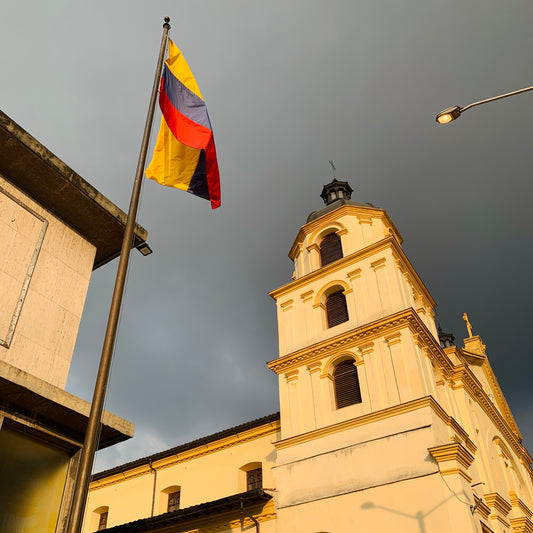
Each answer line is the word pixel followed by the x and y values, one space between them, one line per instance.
pixel 347 391
pixel 336 309
pixel 173 501
pixel 254 479
pixel 330 249
pixel 102 522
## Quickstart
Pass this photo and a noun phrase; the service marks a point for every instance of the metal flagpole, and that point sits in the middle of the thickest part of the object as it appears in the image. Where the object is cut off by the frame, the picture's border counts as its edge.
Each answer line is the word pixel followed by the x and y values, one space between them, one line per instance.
pixel 88 451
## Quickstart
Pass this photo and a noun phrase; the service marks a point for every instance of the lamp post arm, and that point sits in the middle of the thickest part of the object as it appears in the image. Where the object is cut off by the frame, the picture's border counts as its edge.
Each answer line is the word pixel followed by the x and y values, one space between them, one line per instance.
pixel 499 97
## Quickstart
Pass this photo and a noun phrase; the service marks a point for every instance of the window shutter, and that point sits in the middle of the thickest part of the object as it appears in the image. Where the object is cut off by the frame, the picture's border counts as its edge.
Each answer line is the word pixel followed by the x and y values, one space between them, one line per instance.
pixel 336 309
pixel 347 391
pixel 330 249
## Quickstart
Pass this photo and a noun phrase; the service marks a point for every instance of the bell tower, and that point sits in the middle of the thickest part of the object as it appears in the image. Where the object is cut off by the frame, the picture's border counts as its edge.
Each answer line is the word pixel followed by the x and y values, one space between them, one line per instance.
pixel 384 420
pixel 354 298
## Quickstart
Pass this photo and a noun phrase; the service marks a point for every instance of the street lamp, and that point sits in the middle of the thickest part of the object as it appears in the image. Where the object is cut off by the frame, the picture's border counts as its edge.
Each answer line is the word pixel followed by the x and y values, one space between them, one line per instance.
pixel 447 115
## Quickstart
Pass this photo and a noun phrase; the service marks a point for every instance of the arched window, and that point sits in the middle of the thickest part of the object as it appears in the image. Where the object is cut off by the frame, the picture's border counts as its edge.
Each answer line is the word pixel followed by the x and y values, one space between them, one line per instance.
pixel 346 381
pixel 102 522
pixel 330 249
pixel 250 476
pixel 336 309
pixel 169 500
pixel 173 501
pixel 254 479
pixel 99 518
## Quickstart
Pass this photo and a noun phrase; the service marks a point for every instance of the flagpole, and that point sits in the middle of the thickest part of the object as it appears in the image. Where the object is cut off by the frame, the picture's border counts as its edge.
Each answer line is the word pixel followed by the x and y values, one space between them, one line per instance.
pixel 90 444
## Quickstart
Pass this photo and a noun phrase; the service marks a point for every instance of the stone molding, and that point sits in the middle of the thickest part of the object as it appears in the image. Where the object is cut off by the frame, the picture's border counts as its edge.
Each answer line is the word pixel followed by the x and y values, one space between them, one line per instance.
pixel 500 507
pixel 458 376
pixel 427 401
pixel 200 451
pixel 388 243
pixel 453 459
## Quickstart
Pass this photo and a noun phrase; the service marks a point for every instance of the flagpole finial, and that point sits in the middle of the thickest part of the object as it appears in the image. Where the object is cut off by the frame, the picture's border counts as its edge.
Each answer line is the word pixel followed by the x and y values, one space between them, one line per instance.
pixel 166 24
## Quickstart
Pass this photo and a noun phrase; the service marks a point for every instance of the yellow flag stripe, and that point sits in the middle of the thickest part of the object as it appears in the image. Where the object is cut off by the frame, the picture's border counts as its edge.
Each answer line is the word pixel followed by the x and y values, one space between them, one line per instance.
pixel 173 164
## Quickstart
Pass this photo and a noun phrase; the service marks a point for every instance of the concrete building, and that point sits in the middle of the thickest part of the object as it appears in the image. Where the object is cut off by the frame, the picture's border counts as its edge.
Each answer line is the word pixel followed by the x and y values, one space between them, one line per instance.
pixel 384 422
pixel 55 229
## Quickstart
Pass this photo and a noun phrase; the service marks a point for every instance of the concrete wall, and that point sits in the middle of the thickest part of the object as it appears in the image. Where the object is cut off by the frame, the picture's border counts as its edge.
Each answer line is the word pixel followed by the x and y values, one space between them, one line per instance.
pixel 45 269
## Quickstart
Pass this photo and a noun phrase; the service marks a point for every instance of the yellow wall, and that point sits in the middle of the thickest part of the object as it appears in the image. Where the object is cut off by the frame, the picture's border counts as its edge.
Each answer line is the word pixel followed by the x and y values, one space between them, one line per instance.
pixel 203 474
pixel 32 478
pixel 376 277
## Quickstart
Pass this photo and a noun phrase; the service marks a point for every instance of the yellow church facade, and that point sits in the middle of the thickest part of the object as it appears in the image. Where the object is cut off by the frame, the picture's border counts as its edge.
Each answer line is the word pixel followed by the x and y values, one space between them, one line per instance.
pixel 384 422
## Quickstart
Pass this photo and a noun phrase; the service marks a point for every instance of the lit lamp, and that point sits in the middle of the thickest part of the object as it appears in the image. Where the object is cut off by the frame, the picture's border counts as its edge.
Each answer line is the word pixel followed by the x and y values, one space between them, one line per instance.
pixel 447 115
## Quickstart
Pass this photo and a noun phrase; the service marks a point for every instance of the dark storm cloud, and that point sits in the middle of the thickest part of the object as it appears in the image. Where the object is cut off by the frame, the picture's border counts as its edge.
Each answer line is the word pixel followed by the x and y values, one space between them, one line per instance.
pixel 288 85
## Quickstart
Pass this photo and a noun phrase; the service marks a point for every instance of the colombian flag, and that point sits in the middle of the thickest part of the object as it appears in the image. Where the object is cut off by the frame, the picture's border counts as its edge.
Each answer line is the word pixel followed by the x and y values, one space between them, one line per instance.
pixel 184 154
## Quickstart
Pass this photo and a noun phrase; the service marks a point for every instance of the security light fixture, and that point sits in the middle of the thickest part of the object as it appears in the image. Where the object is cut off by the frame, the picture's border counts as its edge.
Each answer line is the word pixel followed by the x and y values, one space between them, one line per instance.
pixel 144 248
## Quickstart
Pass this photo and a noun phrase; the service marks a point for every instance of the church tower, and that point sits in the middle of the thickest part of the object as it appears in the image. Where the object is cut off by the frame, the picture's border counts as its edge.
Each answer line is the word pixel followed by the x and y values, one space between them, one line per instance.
pixel 383 423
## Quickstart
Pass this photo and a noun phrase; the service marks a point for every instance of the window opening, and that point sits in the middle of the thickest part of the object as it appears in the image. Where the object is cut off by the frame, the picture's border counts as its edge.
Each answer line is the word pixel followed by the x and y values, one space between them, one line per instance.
pixel 173 501
pixel 346 380
pixel 254 479
pixel 336 309
pixel 102 522
pixel 330 249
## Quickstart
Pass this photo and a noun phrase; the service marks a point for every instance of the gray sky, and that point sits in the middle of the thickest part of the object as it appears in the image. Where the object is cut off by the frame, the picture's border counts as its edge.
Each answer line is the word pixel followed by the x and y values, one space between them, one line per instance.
pixel 289 85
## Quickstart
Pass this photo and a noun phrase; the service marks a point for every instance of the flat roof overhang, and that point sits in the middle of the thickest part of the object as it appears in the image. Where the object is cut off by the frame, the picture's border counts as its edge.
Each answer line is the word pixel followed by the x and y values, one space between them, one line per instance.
pixel 54 412
pixel 36 171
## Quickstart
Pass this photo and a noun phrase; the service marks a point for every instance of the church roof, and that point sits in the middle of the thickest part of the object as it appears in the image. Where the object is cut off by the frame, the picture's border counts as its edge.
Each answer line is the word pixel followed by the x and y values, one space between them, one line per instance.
pixel 225 505
pixel 188 446
pixel 334 205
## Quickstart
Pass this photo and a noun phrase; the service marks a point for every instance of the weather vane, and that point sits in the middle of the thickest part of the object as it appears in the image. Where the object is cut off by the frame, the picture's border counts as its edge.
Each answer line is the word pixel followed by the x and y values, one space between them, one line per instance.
pixel 332 167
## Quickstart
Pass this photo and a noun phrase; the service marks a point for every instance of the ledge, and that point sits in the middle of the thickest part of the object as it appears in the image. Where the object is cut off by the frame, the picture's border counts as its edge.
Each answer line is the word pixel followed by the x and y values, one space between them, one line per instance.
pixel 36 171
pixel 51 410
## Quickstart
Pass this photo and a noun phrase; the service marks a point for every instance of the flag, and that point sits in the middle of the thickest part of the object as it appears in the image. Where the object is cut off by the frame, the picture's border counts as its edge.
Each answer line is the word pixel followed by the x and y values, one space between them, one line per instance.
pixel 184 154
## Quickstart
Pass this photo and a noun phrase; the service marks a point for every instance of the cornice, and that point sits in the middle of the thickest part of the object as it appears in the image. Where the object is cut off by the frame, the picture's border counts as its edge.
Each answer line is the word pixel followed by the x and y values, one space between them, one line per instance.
pixel 500 398
pixel 334 215
pixel 389 242
pixel 463 377
pixel 360 335
pixel 189 455
pixel 452 452
pixel 396 410
pixel 498 503
pixel 457 375
pixel 457 470
pixel 332 267
pixel 481 507
pixel 521 525
pixel 518 503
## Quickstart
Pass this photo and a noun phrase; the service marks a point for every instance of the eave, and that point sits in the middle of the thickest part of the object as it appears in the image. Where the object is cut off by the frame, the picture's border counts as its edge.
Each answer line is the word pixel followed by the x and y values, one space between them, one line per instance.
pixel 383 244
pixel 224 507
pixel 343 210
pixel 54 412
pixel 33 169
